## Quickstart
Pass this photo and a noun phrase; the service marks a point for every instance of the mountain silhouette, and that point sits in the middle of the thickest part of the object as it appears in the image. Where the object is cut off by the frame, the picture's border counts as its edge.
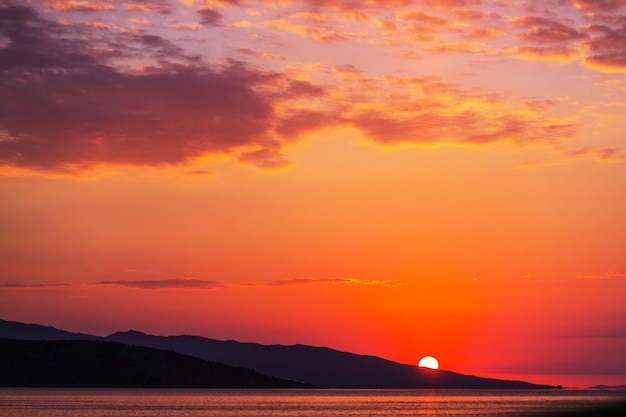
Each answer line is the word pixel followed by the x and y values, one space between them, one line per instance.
pixel 319 366
pixel 88 363
pixel 23 331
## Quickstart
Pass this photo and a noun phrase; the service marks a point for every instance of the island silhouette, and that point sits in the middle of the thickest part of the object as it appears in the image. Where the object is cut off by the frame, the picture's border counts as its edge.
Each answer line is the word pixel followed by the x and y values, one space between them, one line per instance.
pixel 308 365
pixel 88 363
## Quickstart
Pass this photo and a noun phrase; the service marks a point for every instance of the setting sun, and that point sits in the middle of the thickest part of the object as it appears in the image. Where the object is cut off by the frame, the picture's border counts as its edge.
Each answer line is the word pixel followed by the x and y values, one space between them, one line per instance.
pixel 428 362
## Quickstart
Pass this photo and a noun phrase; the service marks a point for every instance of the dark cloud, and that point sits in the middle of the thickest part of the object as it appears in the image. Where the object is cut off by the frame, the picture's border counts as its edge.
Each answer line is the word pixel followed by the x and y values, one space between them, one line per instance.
pixel 101 116
pixel 599 5
pixel 20 285
pixel 127 47
pixel 607 48
pixel 65 107
pixel 166 284
pixel 210 17
pixel 542 30
pixel 603 41
pixel 32 43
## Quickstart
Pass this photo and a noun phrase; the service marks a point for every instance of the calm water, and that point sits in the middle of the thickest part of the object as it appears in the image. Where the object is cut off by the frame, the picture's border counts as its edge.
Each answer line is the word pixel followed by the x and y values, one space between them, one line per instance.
pixel 293 403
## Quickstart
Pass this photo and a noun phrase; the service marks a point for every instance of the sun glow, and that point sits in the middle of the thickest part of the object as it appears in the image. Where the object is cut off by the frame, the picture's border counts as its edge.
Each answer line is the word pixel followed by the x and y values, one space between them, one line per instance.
pixel 428 362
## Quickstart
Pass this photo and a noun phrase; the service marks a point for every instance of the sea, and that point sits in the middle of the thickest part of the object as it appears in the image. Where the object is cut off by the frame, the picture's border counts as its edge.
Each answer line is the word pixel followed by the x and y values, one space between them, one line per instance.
pixel 124 402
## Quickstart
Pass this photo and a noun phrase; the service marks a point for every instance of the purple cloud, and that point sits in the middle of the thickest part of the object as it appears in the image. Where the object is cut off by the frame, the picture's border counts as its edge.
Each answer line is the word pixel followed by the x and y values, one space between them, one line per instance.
pixel 21 285
pixel 210 17
pixel 69 101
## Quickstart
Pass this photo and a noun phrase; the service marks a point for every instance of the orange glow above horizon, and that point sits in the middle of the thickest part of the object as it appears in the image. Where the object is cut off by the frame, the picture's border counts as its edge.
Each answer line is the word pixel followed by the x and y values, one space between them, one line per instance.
pixel 384 178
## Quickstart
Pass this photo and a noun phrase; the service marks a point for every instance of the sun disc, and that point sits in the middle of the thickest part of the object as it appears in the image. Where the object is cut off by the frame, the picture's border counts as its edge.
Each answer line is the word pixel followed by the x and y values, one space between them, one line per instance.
pixel 428 362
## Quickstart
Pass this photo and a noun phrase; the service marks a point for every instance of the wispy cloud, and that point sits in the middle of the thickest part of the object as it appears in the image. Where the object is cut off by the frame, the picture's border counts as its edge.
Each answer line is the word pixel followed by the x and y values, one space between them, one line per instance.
pixel 166 284
pixel 78 6
pixel 22 285
pixel 605 275
pixel 599 5
pixel 334 281
pixel 160 6
pixel 193 283
pixel 550 53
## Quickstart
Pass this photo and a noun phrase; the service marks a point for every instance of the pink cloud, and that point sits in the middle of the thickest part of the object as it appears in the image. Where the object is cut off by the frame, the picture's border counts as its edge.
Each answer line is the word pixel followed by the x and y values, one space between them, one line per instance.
pixel 78 6
pixel 542 30
pixel 69 105
pixel 607 48
pixel 548 53
pixel 599 5
pixel 210 17
pixel 159 6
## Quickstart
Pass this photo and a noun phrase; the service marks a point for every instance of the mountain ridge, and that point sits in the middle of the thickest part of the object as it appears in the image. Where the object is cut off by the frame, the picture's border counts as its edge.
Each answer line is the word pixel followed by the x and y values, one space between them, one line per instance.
pixel 318 366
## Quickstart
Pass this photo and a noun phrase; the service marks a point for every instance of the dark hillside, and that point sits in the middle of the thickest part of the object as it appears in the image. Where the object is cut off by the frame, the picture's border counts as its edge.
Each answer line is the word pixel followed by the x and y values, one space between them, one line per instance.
pixel 319 366
pixel 23 331
pixel 83 363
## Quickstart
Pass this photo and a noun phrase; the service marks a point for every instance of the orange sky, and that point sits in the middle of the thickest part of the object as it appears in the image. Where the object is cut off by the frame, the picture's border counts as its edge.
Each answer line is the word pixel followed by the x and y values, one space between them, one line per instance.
pixel 396 178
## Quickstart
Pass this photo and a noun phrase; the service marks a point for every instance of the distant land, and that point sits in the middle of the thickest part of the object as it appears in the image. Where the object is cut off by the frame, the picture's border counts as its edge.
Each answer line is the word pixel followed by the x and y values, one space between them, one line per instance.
pixel 88 363
pixel 609 387
pixel 318 366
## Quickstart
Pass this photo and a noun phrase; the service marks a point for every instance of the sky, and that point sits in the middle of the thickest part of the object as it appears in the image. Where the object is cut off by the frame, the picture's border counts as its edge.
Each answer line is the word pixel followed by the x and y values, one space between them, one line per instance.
pixel 397 178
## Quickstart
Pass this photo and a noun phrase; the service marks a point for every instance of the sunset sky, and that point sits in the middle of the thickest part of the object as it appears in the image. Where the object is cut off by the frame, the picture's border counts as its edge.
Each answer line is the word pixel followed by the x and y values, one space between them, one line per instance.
pixel 397 178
